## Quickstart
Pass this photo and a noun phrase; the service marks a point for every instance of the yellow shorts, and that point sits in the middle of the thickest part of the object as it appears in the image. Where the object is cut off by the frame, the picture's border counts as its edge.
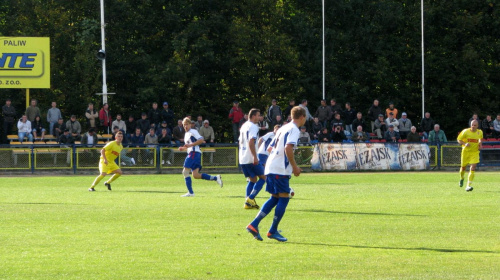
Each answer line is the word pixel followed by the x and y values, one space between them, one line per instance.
pixel 109 168
pixel 469 158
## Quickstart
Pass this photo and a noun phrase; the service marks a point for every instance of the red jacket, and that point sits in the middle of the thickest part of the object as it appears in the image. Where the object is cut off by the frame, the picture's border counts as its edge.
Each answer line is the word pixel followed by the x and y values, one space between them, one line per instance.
pixel 105 117
pixel 236 114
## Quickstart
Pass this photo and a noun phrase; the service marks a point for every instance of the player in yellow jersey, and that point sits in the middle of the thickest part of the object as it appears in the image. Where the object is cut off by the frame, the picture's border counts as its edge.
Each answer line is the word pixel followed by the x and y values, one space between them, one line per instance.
pixel 471 141
pixel 107 164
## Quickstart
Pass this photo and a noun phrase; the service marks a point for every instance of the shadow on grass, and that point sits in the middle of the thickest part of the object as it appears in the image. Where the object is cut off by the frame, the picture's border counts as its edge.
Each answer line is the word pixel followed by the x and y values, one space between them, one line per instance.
pixel 43 203
pixel 357 213
pixel 154 192
pixel 441 250
pixel 262 198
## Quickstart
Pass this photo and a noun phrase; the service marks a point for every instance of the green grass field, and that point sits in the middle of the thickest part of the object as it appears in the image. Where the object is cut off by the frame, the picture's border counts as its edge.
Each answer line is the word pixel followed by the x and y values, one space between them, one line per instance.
pixel 417 225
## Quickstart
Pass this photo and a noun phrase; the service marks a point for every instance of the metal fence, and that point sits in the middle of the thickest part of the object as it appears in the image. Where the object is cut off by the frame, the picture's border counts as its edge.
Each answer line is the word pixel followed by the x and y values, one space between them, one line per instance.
pixel 166 159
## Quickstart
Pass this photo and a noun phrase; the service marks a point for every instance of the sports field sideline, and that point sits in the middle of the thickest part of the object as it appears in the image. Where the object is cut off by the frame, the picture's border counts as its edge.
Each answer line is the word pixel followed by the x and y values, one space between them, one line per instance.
pixel 416 225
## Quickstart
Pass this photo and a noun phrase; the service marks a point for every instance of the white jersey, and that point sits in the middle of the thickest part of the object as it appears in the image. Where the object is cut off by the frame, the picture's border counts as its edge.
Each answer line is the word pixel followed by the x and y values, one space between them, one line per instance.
pixel 248 131
pixel 190 137
pixel 266 140
pixel 278 163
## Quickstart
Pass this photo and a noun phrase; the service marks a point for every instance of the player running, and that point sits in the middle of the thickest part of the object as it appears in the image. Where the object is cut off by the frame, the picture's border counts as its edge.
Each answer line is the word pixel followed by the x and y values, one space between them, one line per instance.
pixel 471 141
pixel 107 164
pixel 192 140
pixel 279 168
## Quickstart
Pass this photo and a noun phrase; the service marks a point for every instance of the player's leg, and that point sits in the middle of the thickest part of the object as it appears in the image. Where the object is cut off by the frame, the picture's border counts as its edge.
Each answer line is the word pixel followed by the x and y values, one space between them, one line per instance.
pixel 268 206
pixel 259 171
pixel 463 166
pixel 282 185
pixel 472 174
pixel 116 174
pixel 196 168
pixel 189 183
pixel 97 180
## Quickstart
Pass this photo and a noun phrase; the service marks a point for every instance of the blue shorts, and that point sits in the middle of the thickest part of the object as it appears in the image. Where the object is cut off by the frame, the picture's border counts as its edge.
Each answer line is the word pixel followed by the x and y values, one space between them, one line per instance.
pixel 276 184
pixel 251 170
pixel 193 161
pixel 263 159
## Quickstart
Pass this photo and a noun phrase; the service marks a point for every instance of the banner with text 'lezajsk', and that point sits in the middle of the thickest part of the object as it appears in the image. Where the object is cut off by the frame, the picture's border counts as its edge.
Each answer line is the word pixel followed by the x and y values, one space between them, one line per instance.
pixel 24 62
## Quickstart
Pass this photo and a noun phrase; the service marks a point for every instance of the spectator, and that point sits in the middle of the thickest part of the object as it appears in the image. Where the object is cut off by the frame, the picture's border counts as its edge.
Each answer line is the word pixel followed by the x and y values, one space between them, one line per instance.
pixel 337 134
pixel 243 120
pixel 143 124
pixel 199 123
pixel 304 137
pixel 89 139
pixel 359 135
pixel 487 126
pixel 9 115
pixel 151 138
pixel 178 134
pixel 392 120
pixel 168 116
pixel 288 110
pixel 380 127
pixel 496 127
pixel 391 135
pixel 74 128
pixel 335 108
pixel 136 141
pixel 392 110
pixel 53 115
pixel 37 128
pixel 337 122
pixel 91 115
pixel 119 123
pixel 349 116
pixel 66 139
pixel 324 136
pixel 105 119
pixel 32 111
pixel 474 118
pixel 413 136
pixel 161 127
pixel 24 129
pixel 193 125
pixel 309 118
pixel 273 111
pixel 154 115
pixel 236 115
pixel 316 128
pixel 359 121
pixel 263 126
pixel 207 132
pixel 427 124
pixel 437 135
pixel 131 125
pixel 277 121
pixel 404 126
pixel 125 141
pixel 59 128
pixel 373 113
pixel 165 139
pixel 323 113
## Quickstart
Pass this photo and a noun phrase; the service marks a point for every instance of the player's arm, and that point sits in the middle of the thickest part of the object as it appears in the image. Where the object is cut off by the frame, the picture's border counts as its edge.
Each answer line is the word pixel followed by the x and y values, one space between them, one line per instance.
pixel 261 140
pixel 291 158
pixel 251 145
pixel 103 154
pixel 198 142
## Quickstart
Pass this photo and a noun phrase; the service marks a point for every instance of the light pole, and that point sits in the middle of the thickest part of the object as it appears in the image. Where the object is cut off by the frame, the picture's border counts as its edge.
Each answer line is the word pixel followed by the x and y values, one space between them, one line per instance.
pixel 101 55
pixel 423 65
pixel 323 60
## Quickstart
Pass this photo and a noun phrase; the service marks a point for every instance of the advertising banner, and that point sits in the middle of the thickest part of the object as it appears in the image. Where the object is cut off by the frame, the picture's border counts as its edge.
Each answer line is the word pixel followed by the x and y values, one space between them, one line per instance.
pixel 334 157
pixel 414 156
pixel 24 62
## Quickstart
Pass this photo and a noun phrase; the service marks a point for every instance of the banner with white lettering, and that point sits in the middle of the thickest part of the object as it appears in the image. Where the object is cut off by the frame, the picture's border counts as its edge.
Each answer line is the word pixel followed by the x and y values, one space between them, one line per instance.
pixel 377 156
pixel 414 156
pixel 334 157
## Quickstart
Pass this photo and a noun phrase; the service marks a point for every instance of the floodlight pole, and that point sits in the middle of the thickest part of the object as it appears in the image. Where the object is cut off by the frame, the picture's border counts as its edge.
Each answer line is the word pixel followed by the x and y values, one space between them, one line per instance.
pixel 323 21
pixel 104 86
pixel 423 65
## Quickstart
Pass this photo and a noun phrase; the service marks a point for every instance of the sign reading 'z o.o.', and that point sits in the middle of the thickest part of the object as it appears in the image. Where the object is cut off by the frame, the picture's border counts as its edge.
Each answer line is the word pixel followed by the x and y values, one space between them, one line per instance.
pixel 24 62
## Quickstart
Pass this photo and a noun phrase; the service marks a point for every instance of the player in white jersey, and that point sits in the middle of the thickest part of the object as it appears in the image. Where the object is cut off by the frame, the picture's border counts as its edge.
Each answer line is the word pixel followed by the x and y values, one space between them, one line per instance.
pixel 264 142
pixel 279 168
pixel 249 135
pixel 192 140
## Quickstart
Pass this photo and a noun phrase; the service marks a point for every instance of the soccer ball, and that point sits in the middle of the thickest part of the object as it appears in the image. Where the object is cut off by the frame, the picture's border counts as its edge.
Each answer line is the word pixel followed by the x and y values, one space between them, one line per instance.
pixel 291 193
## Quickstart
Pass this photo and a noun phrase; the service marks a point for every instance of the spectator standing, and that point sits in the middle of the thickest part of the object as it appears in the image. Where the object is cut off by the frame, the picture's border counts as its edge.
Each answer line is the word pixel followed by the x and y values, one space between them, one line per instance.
pixel 236 115
pixel 143 124
pixel 336 109
pixel 273 111
pixel 392 120
pixel 178 134
pixel 154 115
pixel 105 118
pixel 263 126
pixel 392 110
pixel 53 115
pixel 288 110
pixel 243 120
pixel 119 123
pixel 207 132
pixel 487 126
pixel 349 116
pixel 198 123
pixel 413 136
pixel 130 124
pixel 373 113
pixel 359 121
pixel 168 115
pixel 91 115
pixel 337 122
pixel 32 111
pixel 437 135
pixel 9 115
pixel 24 129
pixel 38 128
pixel 404 125
pixel 59 128
pixel 359 135
pixel 427 124
pixel 391 135
pixel 309 117
pixel 89 139
pixel 323 113
pixel 74 128
pixel 496 127
pixel 475 118
pixel 380 127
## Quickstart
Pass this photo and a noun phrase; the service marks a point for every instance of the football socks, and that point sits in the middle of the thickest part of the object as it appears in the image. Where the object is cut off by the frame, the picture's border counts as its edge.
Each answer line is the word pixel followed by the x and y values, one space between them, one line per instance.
pixel 256 188
pixel 279 212
pixel 264 210
pixel 189 184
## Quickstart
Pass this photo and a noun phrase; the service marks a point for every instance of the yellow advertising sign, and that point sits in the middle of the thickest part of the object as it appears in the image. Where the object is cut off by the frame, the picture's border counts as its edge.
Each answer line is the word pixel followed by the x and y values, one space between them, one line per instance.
pixel 24 62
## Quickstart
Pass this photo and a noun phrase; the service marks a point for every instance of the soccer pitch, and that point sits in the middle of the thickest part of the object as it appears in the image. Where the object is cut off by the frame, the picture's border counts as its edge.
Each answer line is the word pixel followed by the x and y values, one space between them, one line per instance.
pixel 417 225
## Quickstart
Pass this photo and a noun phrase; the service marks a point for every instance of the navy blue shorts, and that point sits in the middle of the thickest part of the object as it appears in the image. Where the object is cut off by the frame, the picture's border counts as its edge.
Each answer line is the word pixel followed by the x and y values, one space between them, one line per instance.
pixel 251 170
pixel 193 161
pixel 276 184
pixel 263 159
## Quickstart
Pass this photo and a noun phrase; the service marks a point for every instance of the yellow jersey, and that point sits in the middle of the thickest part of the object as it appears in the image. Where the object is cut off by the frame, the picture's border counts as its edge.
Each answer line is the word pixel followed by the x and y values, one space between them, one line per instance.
pixel 112 151
pixel 472 138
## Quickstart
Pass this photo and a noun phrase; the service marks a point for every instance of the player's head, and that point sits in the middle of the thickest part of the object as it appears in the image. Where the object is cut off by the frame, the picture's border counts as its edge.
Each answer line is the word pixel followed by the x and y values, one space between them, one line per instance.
pixel 254 115
pixel 186 123
pixel 119 137
pixel 276 128
pixel 473 125
pixel 298 115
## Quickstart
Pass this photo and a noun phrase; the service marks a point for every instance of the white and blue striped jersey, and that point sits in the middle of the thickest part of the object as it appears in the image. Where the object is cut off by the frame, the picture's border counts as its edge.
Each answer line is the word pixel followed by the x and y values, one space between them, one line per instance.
pixel 190 137
pixel 278 163
pixel 266 140
pixel 248 131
